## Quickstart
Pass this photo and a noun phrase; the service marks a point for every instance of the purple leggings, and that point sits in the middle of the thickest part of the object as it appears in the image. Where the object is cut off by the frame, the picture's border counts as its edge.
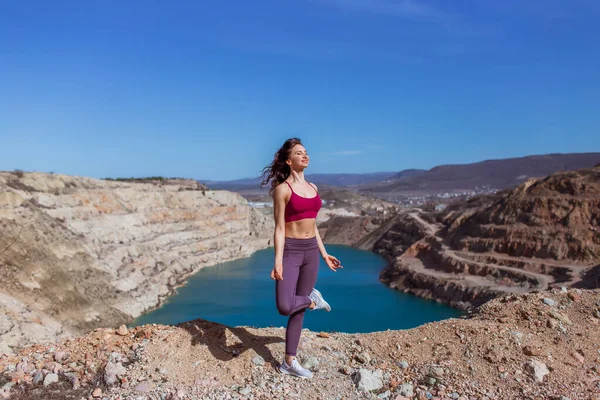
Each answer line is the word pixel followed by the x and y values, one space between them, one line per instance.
pixel 300 269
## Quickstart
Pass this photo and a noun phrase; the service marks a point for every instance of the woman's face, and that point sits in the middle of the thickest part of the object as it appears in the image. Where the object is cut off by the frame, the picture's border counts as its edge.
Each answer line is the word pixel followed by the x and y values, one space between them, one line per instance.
pixel 298 158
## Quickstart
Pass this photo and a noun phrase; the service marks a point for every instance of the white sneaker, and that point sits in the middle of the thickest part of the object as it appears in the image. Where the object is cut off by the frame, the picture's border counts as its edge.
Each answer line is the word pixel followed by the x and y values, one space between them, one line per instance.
pixel 295 369
pixel 320 303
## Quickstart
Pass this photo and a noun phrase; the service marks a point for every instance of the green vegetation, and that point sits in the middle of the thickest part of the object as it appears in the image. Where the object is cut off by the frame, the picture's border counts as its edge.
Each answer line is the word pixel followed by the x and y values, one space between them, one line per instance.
pixel 161 180
pixel 132 179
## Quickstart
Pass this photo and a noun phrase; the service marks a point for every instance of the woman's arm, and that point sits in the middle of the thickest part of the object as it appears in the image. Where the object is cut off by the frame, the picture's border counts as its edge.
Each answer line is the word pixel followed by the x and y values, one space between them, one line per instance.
pixel 320 242
pixel 279 200
pixel 332 262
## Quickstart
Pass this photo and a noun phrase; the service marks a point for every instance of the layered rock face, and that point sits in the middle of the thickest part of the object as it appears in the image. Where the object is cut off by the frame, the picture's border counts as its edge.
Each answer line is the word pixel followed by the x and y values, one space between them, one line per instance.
pixel 540 235
pixel 543 234
pixel 91 253
pixel 356 231
pixel 552 218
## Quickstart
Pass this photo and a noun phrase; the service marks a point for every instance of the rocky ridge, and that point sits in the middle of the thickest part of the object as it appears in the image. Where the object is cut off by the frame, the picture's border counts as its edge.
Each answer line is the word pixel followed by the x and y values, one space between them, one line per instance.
pixel 499 174
pixel 90 252
pixel 540 235
pixel 528 346
pixel 549 218
pixel 543 234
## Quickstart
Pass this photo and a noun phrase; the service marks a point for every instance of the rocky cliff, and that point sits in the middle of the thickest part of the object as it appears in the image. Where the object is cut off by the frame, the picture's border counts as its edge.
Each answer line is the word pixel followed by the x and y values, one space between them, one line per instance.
pixel 543 234
pixel 91 252
pixel 356 231
pixel 551 218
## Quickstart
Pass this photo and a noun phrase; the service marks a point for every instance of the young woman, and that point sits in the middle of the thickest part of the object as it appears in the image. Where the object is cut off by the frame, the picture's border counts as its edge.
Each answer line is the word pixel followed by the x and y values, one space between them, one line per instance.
pixel 297 245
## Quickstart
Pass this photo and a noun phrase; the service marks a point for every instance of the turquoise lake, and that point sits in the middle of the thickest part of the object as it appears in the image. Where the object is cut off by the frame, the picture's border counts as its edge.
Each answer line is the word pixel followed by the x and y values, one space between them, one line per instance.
pixel 241 293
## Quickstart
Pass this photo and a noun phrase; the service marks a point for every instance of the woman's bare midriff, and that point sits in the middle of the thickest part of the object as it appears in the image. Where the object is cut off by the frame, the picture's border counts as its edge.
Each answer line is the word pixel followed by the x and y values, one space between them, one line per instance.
pixel 302 229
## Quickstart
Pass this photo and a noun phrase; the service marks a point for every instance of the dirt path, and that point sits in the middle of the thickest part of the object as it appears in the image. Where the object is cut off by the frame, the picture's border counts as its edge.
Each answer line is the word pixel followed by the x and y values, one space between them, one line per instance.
pixel 432 229
pixel 470 280
pixel 575 270
pixel 544 280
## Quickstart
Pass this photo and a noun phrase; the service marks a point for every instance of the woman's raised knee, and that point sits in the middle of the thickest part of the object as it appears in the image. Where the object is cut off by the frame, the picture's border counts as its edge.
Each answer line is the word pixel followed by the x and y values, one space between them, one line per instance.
pixel 284 309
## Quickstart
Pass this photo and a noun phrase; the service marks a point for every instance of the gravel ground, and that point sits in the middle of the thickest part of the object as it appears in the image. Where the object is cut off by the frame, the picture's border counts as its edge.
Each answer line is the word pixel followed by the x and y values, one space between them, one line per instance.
pixel 543 345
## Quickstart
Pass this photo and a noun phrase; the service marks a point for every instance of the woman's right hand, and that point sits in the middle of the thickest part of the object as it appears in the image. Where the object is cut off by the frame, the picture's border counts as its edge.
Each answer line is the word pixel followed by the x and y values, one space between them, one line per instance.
pixel 277 273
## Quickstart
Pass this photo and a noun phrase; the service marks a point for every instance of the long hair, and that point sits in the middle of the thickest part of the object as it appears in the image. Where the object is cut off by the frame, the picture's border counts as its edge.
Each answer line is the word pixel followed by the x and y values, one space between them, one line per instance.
pixel 278 171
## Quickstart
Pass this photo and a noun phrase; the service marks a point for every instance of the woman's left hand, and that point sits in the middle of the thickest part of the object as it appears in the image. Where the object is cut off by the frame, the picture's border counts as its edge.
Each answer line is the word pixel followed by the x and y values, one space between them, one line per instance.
pixel 332 262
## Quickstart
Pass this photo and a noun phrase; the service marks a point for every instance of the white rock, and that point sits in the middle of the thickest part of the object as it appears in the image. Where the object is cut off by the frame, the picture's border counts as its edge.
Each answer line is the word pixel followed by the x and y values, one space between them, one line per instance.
pixel 385 395
pixel 50 378
pixel 112 371
pixel 537 369
pixel 311 363
pixel 258 360
pixel 367 380
pixel 406 390
pixel 549 302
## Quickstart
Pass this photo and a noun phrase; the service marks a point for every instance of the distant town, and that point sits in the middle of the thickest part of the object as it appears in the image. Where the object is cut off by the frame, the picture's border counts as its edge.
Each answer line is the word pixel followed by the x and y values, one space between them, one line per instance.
pixel 439 200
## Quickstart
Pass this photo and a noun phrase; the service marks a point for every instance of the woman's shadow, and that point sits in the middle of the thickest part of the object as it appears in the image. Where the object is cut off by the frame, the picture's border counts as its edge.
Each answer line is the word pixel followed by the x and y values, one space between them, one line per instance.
pixel 214 336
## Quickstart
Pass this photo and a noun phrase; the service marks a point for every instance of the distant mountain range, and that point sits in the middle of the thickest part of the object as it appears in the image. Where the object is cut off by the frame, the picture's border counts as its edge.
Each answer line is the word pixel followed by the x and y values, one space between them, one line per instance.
pixel 318 179
pixel 407 173
pixel 498 174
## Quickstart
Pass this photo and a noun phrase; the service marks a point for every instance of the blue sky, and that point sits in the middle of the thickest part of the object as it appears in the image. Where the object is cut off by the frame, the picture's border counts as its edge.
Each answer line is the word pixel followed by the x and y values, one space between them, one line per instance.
pixel 210 89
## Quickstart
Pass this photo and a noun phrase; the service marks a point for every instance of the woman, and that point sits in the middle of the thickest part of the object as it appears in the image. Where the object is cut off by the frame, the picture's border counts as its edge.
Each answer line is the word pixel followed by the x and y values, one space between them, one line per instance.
pixel 297 245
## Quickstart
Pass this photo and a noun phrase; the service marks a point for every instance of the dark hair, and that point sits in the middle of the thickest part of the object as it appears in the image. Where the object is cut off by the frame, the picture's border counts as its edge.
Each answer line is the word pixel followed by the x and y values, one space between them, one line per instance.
pixel 278 171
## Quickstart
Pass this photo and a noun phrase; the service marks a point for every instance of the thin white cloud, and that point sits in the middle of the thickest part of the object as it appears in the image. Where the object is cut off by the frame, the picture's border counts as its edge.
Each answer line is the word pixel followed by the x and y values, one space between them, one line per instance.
pixel 411 9
pixel 344 153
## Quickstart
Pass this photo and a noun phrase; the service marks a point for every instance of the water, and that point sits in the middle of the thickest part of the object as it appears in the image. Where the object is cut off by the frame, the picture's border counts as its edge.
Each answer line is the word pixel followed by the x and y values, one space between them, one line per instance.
pixel 241 292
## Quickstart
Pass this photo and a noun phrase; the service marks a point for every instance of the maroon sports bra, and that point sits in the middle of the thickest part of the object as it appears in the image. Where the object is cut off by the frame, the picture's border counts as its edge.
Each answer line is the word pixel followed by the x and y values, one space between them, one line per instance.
pixel 299 207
